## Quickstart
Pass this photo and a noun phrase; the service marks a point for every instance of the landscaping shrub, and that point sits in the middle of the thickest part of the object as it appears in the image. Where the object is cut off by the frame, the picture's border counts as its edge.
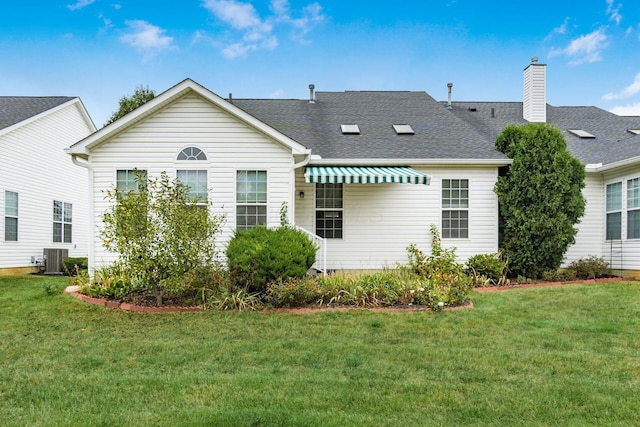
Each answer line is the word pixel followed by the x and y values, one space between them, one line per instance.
pixel 561 275
pixel 487 269
pixel 448 279
pixel 261 255
pixel 592 267
pixel 71 266
pixel 296 292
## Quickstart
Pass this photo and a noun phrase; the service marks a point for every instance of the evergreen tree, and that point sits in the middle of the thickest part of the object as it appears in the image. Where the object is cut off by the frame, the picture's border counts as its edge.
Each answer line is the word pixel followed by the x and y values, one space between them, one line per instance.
pixel 540 198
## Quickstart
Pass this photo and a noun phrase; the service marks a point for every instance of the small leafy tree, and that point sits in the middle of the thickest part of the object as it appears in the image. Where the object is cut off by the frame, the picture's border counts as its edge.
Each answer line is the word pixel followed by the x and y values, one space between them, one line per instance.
pixel 159 233
pixel 540 197
pixel 141 95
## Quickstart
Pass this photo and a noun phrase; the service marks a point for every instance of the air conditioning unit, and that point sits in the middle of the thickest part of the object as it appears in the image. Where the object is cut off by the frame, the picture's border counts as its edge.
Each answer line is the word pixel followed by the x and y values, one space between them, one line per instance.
pixel 53 260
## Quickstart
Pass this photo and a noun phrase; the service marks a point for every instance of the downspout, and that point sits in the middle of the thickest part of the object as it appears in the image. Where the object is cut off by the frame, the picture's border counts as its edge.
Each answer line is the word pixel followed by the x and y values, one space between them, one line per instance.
pixel 292 200
pixel 91 238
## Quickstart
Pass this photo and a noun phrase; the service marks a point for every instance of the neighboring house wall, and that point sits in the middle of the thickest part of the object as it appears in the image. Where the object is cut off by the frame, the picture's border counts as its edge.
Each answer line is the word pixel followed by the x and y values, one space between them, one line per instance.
pixel 34 165
pixel 624 253
pixel 230 146
pixel 591 227
pixel 381 220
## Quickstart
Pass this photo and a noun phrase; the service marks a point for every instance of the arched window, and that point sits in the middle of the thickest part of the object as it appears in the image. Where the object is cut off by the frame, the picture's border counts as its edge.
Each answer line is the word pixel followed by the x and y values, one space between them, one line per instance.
pixel 192 153
pixel 192 175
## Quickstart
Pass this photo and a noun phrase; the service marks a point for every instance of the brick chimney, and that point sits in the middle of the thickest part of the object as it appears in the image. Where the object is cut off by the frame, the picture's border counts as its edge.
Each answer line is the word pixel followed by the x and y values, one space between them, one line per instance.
pixel 534 107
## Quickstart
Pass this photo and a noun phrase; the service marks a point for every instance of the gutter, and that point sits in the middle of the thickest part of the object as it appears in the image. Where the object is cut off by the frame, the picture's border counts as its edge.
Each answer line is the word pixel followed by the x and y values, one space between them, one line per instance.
pixel 414 162
pixel 598 167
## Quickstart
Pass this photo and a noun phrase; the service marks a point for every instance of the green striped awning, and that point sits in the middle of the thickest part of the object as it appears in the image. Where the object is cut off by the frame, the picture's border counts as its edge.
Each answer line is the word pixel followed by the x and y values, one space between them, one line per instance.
pixel 364 175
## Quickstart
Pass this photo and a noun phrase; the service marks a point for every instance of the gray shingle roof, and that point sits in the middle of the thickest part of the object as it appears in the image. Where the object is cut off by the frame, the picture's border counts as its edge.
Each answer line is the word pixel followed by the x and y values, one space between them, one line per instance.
pixel 14 109
pixel 438 133
pixel 612 142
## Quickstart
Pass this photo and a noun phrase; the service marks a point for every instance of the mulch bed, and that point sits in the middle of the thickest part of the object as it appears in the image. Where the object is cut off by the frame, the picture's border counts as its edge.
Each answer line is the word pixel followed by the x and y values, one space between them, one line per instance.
pixel 306 310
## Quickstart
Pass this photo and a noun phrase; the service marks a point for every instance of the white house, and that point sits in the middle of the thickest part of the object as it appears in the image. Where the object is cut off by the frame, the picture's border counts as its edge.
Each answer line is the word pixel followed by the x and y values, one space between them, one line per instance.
pixel 43 197
pixel 366 172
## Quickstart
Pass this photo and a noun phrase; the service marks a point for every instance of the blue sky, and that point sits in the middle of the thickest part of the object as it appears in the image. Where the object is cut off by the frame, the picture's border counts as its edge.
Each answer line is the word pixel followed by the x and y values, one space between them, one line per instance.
pixel 101 50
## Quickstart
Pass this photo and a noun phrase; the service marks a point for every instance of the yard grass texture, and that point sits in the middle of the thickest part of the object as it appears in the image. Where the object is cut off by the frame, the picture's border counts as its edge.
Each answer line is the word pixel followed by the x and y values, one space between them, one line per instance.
pixel 565 355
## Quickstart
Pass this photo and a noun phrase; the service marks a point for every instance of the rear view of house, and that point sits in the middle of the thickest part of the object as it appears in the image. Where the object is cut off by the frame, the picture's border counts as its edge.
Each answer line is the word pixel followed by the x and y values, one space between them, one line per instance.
pixel 366 173
pixel 43 196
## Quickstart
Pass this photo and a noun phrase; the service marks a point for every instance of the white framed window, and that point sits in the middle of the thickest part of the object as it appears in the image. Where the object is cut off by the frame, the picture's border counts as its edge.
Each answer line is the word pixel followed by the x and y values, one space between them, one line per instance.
pixel 196 180
pixel 251 198
pixel 329 211
pixel 633 208
pixel 130 179
pixel 614 211
pixel 10 216
pixel 62 222
pixel 193 175
pixel 455 209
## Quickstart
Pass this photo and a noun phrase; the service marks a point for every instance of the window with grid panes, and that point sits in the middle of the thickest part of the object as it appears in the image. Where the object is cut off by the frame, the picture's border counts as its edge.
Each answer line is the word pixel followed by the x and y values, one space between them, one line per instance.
pixel 633 208
pixel 614 211
pixel 62 222
pixel 455 209
pixel 329 205
pixel 196 180
pixel 130 179
pixel 251 199
pixel 10 216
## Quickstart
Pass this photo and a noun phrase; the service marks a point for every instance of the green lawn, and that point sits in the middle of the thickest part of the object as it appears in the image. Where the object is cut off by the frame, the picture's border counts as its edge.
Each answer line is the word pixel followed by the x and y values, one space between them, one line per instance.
pixel 566 355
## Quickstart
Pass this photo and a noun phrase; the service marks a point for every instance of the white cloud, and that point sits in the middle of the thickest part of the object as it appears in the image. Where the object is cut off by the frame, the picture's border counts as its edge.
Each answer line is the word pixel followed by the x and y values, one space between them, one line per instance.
pixel 146 38
pixel 117 6
pixel 584 49
pixel 256 32
pixel 80 4
pixel 627 110
pixel 627 92
pixel 614 12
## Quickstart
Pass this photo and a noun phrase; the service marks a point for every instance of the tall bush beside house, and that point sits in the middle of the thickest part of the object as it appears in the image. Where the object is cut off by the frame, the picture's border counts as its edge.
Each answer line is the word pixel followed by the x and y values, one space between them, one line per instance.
pixel 540 198
pixel 261 255
pixel 160 234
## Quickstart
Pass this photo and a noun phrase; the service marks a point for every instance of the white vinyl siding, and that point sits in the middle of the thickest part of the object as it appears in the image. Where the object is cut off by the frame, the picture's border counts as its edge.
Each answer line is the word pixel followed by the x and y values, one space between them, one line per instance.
pixel 381 220
pixel 230 145
pixel 46 173
pixel 591 230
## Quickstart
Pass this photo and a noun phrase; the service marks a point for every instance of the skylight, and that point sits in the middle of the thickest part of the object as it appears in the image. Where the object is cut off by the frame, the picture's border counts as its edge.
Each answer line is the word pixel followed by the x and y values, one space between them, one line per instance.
pixel 350 129
pixel 581 133
pixel 403 129
pixel 634 131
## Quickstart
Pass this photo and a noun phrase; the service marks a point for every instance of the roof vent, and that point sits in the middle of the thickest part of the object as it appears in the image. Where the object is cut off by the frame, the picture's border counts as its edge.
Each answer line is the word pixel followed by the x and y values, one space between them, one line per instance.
pixel 472 109
pixel 350 129
pixel 582 134
pixel 403 129
pixel 450 86
pixel 312 96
